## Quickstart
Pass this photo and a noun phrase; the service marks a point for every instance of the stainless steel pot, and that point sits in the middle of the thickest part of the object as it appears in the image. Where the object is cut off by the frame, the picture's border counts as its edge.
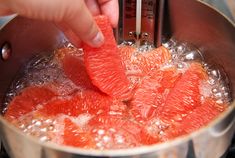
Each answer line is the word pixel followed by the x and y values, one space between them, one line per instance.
pixel 191 21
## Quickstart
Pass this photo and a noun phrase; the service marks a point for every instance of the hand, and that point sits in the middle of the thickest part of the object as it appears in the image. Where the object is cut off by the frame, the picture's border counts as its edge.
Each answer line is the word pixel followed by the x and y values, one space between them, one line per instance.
pixel 74 17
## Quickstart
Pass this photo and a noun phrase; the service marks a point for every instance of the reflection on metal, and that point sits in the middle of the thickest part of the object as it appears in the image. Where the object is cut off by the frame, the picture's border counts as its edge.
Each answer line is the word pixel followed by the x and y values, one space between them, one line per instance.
pixel 5 51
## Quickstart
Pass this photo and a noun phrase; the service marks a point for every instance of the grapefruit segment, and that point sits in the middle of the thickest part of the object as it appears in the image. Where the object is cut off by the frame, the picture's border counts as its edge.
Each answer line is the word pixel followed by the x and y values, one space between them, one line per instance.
pixel 133 72
pixel 75 70
pixel 184 96
pixel 27 101
pixel 75 136
pixel 156 130
pixel 73 66
pixel 114 132
pixel 151 93
pixel 61 105
pixel 201 116
pixel 127 53
pixel 143 101
pixel 104 65
pixel 151 60
pixel 88 101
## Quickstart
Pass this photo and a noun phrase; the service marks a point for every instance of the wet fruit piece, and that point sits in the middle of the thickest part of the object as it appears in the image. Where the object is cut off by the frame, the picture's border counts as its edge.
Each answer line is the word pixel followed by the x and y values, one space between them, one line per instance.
pixel 74 67
pixel 114 132
pixel 61 105
pixel 27 101
pixel 75 136
pixel 184 96
pixel 104 64
pixel 151 93
pixel 127 53
pixel 150 60
pixel 157 130
pixel 133 72
pixel 88 101
pixel 96 103
pixel 201 116
pixel 143 101
pixel 139 64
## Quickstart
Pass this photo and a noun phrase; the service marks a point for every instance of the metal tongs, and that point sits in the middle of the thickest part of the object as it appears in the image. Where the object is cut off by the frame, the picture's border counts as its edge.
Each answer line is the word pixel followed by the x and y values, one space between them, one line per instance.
pixel 141 22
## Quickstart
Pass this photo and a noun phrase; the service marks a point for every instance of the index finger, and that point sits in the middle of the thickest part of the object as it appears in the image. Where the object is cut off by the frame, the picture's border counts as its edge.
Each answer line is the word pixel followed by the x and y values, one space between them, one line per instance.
pixel 80 20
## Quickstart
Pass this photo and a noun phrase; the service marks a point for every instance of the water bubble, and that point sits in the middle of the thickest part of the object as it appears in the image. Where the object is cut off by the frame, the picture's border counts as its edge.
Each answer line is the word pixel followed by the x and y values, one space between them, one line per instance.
pixel 44 139
pixel 215 74
pixel 48 121
pixel 51 127
pixel 145 48
pixel 180 49
pixel 180 65
pixel 211 81
pixel 38 123
pixel 219 101
pixel 193 55
pixel 214 90
pixel 170 44
pixel 218 95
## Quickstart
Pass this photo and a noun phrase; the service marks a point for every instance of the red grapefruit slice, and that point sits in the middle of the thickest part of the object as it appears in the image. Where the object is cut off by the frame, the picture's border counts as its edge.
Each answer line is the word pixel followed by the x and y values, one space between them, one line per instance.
pixel 201 116
pixel 75 136
pixel 88 101
pixel 151 60
pixel 114 132
pixel 104 64
pixel 151 93
pixel 27 101
pixel 74 67
pixel 185 96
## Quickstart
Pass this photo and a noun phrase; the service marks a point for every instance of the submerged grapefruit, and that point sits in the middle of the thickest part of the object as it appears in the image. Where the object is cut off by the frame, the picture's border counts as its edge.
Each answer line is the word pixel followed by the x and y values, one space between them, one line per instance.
pixel 27 101
pixel 75 136
pixel 75 70
pixel 151 60
pixel 152 92
pixel 184 96
pixel 201 116
pixel 114 132
pixel 88 101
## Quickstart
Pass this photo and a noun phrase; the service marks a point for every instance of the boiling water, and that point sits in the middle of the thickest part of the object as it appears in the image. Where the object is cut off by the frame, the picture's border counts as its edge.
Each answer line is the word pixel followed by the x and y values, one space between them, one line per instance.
pixel 217 86
pixel 45 69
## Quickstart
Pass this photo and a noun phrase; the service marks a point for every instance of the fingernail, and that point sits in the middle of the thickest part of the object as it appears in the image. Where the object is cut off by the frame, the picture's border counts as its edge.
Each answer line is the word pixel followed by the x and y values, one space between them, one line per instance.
pixel 98 40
